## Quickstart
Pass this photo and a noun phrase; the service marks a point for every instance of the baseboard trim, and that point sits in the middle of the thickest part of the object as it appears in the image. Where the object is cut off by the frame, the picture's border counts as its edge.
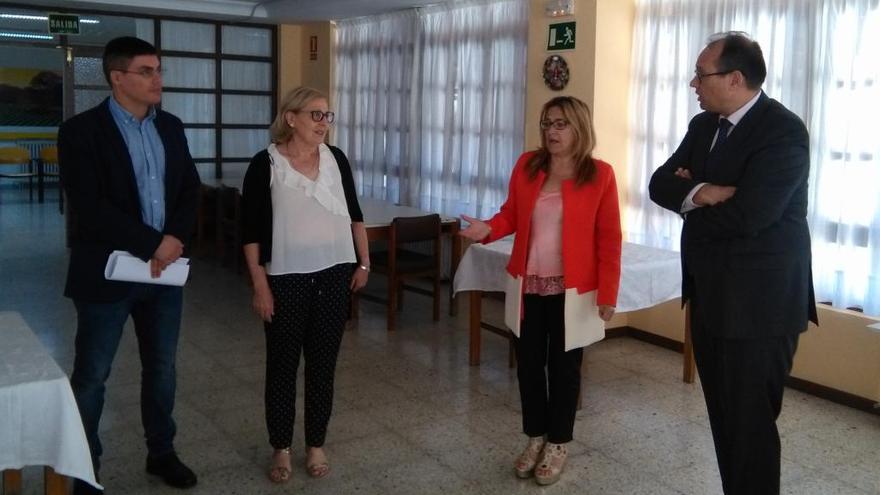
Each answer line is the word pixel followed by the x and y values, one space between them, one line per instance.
pixel 658 340
pixel 834 395
pixel 821 391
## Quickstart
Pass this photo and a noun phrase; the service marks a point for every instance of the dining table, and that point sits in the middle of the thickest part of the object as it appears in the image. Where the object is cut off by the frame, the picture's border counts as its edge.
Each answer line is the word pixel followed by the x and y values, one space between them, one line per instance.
pixel 649 276
pixel 40 423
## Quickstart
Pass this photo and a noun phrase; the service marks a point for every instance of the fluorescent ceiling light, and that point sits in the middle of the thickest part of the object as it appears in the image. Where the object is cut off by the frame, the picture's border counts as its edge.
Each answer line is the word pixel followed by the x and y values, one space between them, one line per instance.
pixel 26 36
pixel 23 17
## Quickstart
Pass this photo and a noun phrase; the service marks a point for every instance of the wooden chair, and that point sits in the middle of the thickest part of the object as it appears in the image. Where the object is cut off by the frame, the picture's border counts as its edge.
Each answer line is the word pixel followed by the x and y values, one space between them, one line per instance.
pixel 399 263
pixel 228 229
pixel 206 220
pixel 49 156
pixel 16 163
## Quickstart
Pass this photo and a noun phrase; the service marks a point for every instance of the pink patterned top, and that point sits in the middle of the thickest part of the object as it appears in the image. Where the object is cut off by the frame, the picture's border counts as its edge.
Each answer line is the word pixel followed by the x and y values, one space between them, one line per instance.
pixel 544 262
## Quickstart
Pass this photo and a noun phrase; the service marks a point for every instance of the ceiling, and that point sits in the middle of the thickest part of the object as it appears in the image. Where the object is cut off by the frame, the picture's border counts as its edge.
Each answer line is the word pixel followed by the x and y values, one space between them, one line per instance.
pixel 266 11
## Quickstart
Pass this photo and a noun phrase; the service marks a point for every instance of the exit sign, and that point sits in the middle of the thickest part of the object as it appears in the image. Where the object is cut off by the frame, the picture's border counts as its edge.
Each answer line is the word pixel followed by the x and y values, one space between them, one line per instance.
pixel 63 24
pixel 561 36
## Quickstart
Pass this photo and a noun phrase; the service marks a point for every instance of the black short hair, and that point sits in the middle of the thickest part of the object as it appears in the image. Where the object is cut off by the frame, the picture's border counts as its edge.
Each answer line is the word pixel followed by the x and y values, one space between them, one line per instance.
pixel 741 53
pixel 119 52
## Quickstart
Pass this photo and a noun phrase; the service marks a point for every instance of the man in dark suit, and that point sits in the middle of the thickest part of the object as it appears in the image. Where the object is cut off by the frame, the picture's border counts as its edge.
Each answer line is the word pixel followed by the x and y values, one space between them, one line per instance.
pixel 132 186
pixel 739 178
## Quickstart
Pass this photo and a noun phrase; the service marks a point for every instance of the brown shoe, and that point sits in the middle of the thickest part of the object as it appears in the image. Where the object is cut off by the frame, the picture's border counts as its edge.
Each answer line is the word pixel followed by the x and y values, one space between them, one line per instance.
pixel 552 463
pixel 525 463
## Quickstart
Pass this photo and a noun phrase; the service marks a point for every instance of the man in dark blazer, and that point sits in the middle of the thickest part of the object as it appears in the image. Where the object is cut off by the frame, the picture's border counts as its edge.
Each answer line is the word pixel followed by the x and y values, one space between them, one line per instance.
pixel 739 179
pixel 132 186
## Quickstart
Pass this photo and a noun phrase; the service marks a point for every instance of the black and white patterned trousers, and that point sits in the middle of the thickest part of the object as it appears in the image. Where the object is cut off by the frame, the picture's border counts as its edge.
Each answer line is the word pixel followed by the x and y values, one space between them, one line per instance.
pixel 310 314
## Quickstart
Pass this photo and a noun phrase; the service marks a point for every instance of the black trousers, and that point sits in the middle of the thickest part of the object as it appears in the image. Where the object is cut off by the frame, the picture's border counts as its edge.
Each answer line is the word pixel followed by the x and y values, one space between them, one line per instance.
pixel 743 382
pixel 310 314
pixel 549 377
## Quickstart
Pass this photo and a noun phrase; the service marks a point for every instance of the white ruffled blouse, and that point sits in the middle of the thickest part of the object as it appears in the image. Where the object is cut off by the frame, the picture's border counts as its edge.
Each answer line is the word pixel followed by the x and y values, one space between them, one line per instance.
pixel 311 228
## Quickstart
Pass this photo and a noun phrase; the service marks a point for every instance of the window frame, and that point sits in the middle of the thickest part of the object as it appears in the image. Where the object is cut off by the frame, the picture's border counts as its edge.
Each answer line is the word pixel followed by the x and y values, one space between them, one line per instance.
pixel 66 42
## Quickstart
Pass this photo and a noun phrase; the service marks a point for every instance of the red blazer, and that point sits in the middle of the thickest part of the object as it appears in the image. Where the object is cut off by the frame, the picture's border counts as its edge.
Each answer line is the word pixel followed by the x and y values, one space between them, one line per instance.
pixel 591 237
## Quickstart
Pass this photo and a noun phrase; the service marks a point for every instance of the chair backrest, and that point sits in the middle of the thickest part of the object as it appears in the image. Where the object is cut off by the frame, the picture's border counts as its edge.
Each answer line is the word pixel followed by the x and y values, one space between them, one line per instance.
pixel 14 155
pixel 49 154
pixel 415 229
pixel 228 204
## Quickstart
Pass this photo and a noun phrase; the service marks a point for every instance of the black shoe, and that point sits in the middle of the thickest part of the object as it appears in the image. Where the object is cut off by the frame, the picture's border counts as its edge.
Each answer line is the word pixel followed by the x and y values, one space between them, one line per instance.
pixel 80 487
pixel 171 470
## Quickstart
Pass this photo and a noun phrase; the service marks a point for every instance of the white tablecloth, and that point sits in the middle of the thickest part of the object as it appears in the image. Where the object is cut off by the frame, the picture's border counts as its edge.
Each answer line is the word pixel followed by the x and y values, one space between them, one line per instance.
pixel 649 276
pixel 39 421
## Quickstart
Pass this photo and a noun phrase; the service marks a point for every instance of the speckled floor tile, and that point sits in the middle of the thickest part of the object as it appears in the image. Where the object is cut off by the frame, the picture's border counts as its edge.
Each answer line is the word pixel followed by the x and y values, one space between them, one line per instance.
pixel 410 417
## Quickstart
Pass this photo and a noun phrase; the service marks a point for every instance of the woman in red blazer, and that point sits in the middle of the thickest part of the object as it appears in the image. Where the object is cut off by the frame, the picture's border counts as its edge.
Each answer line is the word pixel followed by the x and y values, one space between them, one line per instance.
pixel 565 271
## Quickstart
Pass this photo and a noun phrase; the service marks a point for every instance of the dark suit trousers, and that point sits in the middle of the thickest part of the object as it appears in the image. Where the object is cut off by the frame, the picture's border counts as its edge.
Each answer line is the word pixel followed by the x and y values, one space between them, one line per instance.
pixel 743 382
pixel 549 377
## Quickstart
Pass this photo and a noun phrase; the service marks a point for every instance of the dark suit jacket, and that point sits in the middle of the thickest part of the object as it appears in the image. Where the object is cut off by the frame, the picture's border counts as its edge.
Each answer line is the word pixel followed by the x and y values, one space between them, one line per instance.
pixel 98 177
pixel 746 261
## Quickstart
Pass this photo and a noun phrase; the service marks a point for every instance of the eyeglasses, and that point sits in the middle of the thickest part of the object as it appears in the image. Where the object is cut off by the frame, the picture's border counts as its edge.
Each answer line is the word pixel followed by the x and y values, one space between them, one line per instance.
pixel 701 76
pixel 558 124
pixel 145 72
pixel 318 116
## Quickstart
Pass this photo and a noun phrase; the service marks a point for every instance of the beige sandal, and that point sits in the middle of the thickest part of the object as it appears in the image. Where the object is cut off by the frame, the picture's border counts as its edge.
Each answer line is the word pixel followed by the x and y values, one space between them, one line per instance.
pixel 280 472
pixel 317 469
pixel 552 463
pixel 525 463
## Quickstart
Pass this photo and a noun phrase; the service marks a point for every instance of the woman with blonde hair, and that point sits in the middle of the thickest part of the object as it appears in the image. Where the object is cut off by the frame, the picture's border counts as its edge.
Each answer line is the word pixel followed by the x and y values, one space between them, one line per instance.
pixel 306 249
pixel 563 207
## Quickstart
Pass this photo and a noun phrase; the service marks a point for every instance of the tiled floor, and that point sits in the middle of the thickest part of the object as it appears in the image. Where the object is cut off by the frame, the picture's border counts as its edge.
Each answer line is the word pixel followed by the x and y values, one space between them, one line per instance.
pixel 410 416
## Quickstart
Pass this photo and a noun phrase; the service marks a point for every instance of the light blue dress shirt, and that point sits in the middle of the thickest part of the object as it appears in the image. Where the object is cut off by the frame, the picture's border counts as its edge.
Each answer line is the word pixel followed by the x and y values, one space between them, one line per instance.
pixel 148 159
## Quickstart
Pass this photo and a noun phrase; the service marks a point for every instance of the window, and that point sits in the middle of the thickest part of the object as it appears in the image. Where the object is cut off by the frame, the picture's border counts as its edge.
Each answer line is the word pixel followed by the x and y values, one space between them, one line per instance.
pixel 431 103
pixel 220 82
pixel 219 78
pixel 821 65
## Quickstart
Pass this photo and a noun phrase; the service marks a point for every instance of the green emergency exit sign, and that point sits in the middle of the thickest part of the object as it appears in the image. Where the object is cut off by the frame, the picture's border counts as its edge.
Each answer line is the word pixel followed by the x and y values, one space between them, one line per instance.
pixel 63 24
pixel 561 36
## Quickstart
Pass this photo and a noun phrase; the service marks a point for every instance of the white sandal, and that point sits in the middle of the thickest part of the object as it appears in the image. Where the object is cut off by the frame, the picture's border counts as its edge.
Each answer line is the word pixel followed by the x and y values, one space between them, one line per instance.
pixel 317 468
pixel 552 463
pixel 525 463
pixel 280 471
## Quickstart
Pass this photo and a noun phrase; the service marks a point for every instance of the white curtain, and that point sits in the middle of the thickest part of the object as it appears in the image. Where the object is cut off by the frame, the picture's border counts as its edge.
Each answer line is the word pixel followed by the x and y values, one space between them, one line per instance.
pixel 374 65
pixel 821 65
pixel 430 103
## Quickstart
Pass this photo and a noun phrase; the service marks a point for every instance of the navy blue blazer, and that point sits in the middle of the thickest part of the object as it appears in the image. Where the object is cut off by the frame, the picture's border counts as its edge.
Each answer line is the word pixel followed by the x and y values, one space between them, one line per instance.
pixel 98 178
pixel 747 260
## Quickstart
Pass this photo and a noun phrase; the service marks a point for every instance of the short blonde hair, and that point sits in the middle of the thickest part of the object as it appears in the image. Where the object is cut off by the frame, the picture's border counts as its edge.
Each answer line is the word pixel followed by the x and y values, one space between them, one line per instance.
pixel 294 101
pixel 579 117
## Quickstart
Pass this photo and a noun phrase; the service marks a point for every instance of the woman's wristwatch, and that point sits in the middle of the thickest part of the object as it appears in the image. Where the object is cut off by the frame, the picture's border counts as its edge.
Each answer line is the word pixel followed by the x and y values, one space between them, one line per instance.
pixel 364 268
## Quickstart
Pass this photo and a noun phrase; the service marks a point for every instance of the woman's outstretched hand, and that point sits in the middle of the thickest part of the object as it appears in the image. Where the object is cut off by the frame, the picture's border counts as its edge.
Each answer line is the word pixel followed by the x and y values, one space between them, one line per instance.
pixel 477 230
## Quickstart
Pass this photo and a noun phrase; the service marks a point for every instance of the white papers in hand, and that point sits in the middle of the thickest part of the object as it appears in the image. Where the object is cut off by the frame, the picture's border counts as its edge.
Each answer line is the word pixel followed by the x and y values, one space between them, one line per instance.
pixel 124 267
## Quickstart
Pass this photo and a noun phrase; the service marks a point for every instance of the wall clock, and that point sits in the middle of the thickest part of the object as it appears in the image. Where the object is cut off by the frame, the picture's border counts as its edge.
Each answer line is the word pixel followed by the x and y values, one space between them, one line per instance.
pixel 555 72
